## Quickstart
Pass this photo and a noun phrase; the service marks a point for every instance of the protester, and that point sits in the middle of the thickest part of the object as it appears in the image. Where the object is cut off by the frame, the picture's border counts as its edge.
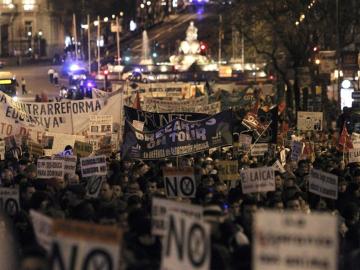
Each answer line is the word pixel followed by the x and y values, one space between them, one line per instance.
pixel 23 86
pixel 50 73
pixel 56 77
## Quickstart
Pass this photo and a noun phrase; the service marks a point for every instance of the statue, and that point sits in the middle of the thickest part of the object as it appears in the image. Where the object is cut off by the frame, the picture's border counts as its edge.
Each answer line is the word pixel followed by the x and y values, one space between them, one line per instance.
pixel 191 32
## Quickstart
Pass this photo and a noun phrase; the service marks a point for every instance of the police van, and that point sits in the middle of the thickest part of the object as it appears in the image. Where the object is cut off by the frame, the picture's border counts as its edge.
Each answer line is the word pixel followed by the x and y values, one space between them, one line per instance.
pixel 8 83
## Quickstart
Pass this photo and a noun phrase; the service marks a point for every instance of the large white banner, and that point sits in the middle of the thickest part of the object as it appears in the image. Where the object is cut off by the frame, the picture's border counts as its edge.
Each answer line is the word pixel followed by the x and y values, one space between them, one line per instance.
pixel 258 180
pixel 151 104
pixel 323 184
pixel 295 240
pixel 68 116
pixel 212 108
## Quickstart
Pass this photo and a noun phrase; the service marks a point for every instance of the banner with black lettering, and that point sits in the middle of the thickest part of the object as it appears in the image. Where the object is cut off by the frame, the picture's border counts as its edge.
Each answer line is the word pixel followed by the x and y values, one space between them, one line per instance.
pixel 323 184
pixel 154 120
pixel 47 168
pixel 79 245
pixel 179 182
pixel 179 137
pixel 91 166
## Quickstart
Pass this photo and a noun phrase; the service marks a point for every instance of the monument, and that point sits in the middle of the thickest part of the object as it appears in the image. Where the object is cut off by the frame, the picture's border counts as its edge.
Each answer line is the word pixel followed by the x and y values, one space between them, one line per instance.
pixel 189 51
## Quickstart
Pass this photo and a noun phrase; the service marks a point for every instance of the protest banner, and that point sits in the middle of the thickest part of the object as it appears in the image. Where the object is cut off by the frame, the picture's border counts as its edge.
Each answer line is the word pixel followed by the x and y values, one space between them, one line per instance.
pixel 93 186
pixel 43 229
pixel 323 184
pixel 66 116
pixel 162 207
pixel 279 167
pixel 259 149
pixel 100 125
pixel 245 142
pixel 151 104
pixel 82 149
pixel 2 149
pixel 47 168
pixel 193 236
pixel 79 245
pixel 309 121
pixel 295 240
pixel 179 137
pixel 35 149
pixel 179 182
pixel 154 120
pixel 91 166
pixel 296 150
pixel 209 109
pixel 9 200
pixel 138 125
pixel 228 170
pixel 60 141
pixel 258 180
pixel 69 163
pixel 354 155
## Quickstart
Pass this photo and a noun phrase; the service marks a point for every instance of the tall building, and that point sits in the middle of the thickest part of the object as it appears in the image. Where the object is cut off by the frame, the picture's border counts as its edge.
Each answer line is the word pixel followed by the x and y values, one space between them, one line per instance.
pixel 30 27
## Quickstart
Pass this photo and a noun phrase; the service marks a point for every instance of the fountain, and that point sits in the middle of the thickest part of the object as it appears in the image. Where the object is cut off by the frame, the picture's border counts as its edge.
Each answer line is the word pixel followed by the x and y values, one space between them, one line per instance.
pixel 189 51
pixel 145 50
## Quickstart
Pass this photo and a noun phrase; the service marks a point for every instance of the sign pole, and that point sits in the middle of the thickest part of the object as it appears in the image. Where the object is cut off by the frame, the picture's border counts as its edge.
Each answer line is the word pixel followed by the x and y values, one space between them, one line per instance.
pixel 249 151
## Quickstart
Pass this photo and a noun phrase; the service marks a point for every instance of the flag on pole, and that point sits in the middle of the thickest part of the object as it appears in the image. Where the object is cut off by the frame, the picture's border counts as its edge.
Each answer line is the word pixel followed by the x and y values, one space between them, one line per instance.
pixel 345 140
pixel 136 104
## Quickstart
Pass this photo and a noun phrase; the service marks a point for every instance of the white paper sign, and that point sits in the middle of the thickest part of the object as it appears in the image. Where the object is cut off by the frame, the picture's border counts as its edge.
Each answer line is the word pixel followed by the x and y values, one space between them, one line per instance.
pixel 294 240
pixel 354 155
pixel 43 228
pixel 9 200
pixel 323 184
pixel 179 183
pixel 193 236
pixel 69 163
pixel 258 180
pixel 161 207
pixel 47 168
pixel 309 120
pixel 91 166
pixel 259 149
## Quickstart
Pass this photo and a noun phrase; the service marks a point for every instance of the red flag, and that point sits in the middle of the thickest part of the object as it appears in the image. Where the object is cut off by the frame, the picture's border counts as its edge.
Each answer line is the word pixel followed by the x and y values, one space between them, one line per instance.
pixel 136 104
pixel 345 139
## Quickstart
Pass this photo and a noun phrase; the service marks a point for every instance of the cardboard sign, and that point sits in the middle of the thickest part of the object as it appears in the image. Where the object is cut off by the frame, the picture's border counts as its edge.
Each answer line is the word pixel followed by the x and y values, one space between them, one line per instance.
pixel 323 184
pixel 69 163
pixel 193 236
pixel 162 207
pixel 43 228
pixel 179 183
pixel 100 125
pixel 47 168
pixel 228 170
pixel 279 167
pixel 296 150
pixel 259 149
pixel 35 149
pixel 93 186
pixel 91 166
pixel 2 150
pixel 309 121
pixel 79 245
pixel 258 180
pixel 354 155
pixel 245 141
pixel 82 149
pixel 294 240
pixel 9 200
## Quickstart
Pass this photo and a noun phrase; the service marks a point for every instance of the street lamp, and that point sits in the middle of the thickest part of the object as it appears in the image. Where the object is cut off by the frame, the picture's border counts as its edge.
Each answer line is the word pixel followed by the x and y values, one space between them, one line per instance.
pixel 40 33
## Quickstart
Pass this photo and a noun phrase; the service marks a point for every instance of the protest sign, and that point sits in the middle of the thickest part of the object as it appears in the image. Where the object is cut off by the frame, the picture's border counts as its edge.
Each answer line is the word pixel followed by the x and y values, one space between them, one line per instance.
pixel 2 149
pixel 79 245
pixel 279 167
pixel 91 166
pixel 309 120
pixel 82 149
pixel 245 142
pixel 100 125
pixel 258 180
pixel 354 155
pixel 209 109
pixel 228 170
pixel 93 186
pixel 193 236
pixel 43 229
pixel 162 207
pixel 69 163
pixel 60 141
pixel 9 200
pixel 151 104
pixel 35 149
pixel 296 150
pixel 295 240
pixel 323 184
pixel 259 149
pixel 179 182
pixel 179 137
pixel 154 120
pixel 47 168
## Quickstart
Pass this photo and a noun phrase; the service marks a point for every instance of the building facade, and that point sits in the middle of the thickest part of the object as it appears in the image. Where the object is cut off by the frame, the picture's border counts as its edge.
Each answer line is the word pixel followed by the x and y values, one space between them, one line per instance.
pixel 30 27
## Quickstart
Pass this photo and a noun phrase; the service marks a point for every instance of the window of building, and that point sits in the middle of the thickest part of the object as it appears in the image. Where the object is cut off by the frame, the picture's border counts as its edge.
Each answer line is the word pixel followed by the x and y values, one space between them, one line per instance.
pixel 29 5
pixel 28 28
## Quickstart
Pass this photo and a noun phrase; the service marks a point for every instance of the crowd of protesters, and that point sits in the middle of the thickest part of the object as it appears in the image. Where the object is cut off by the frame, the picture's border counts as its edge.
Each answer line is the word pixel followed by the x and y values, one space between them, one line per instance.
pixel 125 201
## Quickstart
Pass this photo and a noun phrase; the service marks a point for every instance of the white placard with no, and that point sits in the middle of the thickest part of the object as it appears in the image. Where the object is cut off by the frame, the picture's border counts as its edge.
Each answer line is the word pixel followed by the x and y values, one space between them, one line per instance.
pixel 161 207
pixel 323 184
pixel 47 168
pixel 258 180
pixel 91 166
pixel 179 183
pixel 295 240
